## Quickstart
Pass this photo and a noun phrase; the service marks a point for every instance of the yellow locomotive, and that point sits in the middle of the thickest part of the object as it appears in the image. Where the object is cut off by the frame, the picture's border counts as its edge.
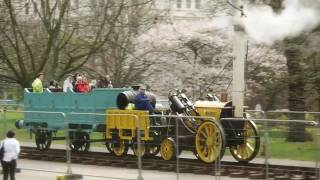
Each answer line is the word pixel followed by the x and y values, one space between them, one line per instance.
pixel 197 127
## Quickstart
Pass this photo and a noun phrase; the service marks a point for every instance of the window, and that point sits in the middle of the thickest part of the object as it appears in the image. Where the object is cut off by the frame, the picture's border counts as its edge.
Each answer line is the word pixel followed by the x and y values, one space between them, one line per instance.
pixel 35 8
pixel 76 27
pixel 198 4
pixel 179 3
pixel 59 4
pixel 94 3
pixel 76 3
pixel 188 3
pixel 102 3
pixel 27 8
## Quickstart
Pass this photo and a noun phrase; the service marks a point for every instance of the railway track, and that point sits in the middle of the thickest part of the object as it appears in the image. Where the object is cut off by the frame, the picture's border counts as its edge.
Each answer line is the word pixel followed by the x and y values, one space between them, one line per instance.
pixel 231 169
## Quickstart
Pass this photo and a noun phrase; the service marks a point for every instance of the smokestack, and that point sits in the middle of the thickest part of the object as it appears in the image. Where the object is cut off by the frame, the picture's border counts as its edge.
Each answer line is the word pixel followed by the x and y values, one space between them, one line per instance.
pixel 238 83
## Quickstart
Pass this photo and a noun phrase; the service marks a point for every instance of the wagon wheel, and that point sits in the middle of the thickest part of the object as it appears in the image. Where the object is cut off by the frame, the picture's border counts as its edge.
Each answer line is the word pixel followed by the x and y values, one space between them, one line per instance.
pixel 106 143
pixel 79 141
pixel 152 150
pixel 134 147
pixel 118 148
pixel 108 146
pixel 167 149
pixel 248 150
pixel 210 141
pixel 43 139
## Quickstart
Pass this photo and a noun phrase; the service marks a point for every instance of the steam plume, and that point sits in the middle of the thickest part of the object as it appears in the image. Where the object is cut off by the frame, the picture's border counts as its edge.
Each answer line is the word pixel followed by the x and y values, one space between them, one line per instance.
pixel 265 26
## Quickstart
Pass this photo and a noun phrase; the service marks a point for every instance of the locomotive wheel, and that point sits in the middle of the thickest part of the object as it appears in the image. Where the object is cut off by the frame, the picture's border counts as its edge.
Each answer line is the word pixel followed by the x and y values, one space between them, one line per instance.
pixel 210 141
pixel 79 141
pixel 248 150
pixel 152 150
pixel 167 149
pixel 43 139
pixel 135 149
pixel 119 148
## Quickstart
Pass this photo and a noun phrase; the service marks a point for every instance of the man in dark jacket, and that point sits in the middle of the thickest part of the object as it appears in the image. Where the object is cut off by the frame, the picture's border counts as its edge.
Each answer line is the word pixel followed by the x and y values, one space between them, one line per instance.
pixel 142 101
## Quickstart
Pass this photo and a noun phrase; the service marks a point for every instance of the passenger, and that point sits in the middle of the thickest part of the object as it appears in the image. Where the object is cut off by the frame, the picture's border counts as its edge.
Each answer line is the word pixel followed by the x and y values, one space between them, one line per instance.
pixel 142 101
pixel 37 84
pixel 104 82
pixel 53 84
pixel 82 85
pixel 68 83
pixel 11 151
pixel 74 80
pixel 93 84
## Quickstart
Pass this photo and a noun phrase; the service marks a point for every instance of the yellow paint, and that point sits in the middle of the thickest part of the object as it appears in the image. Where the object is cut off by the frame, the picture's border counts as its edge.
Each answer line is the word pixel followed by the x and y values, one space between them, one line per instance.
pixel 126 124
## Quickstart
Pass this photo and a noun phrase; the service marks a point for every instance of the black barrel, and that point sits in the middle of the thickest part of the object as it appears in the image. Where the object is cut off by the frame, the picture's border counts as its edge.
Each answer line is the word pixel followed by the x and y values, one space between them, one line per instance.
pixel 176 104
pixel 126 97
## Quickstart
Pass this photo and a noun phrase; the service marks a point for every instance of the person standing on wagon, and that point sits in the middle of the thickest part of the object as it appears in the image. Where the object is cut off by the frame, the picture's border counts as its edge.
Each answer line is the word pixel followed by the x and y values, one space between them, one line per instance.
pixel 37 84
pixel 11 151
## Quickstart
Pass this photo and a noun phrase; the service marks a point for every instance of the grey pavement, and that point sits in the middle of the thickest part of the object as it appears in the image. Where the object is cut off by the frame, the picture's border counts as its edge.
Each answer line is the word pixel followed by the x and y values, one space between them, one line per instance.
pixel 189 154
pixel 43 170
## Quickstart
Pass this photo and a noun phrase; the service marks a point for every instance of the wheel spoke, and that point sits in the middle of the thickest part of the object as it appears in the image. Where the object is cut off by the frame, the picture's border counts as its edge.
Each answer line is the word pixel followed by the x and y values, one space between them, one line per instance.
pixel 206 128
pixel 249 147
pixel 209 153
pixel 204 135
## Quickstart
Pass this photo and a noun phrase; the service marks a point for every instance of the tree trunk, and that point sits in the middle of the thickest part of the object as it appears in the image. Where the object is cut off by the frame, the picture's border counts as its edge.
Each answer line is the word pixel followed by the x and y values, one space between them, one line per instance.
pixel 296 101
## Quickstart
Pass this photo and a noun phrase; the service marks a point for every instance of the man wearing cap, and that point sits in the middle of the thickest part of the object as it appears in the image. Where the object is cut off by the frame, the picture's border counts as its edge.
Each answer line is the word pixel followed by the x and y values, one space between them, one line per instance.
pixel 142 101
pixel 37 84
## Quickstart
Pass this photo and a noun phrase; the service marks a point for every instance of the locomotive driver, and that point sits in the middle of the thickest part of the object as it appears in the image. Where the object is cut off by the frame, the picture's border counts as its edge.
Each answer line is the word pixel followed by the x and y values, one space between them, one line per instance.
pixel 142 101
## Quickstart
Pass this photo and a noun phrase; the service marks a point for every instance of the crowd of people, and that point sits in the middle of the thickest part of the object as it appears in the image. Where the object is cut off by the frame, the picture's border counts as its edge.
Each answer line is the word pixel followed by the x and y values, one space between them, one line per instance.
pixel 77 82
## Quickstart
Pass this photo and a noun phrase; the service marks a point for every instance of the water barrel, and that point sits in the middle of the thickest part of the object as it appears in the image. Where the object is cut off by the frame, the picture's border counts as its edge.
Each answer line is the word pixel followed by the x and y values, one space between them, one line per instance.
pixel 126 97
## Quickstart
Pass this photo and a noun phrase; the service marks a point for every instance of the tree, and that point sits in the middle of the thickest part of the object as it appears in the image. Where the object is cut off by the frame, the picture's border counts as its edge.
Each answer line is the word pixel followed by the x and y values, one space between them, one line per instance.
pixel 266 77
pixel 121 57
pixel 296 84
pixel 187 55
pixel 294 50
pixel 59 37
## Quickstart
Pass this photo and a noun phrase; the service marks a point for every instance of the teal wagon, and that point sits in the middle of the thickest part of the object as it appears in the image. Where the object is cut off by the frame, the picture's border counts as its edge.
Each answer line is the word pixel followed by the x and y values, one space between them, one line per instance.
pixel 42 120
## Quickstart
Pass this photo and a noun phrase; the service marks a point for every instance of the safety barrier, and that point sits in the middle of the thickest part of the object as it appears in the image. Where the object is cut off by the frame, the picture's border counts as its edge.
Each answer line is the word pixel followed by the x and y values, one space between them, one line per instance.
pixel 273 129
pixel 314 122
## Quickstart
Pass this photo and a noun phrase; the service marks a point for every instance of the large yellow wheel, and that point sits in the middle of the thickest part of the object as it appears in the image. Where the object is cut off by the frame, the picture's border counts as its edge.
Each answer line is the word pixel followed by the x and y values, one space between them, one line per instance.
pixel 209 141
pixel 135 149
pixel 250 145
pixel 167 149
pixel 119 148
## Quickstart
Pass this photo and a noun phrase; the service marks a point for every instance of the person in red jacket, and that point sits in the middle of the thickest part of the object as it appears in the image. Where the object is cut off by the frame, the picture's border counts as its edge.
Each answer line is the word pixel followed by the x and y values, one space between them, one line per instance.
pixel 82 85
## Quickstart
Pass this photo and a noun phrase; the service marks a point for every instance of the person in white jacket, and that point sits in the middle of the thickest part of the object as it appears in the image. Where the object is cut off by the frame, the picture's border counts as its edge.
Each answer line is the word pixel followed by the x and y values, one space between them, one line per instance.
pixel 11 152
pixel 67 84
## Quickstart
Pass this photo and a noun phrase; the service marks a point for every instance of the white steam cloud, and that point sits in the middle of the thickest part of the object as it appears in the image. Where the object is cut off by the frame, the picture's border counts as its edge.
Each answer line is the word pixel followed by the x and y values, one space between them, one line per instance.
pixel 265 26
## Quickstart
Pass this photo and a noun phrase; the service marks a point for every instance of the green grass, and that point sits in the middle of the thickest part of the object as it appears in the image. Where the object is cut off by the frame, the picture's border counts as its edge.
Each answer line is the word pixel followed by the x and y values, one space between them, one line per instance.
pixel 11 117
pixel 278 147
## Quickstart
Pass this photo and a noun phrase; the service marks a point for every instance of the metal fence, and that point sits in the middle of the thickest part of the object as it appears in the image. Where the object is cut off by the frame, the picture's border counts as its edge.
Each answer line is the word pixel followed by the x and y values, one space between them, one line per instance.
pixel 273 132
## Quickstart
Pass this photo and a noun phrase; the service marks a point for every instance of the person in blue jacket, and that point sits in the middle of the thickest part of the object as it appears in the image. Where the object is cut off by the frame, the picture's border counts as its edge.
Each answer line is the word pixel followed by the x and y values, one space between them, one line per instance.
pixel 142 101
